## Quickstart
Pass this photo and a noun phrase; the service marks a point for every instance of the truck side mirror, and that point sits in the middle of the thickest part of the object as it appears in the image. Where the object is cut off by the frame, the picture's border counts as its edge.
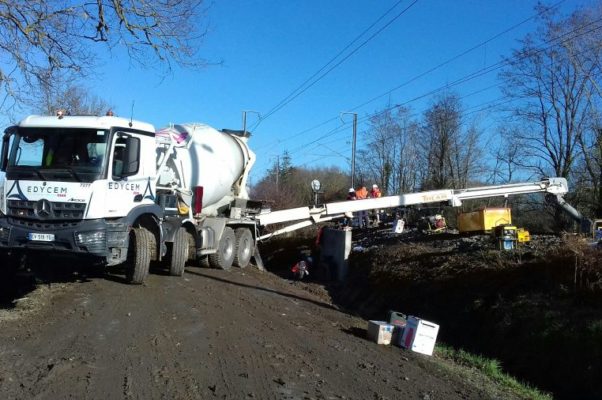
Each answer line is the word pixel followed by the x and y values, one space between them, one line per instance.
pixel 131 158
pixel 5 144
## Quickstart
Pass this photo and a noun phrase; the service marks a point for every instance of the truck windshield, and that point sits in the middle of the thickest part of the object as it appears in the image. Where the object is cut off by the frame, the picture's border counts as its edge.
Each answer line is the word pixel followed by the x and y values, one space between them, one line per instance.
pixel 65 154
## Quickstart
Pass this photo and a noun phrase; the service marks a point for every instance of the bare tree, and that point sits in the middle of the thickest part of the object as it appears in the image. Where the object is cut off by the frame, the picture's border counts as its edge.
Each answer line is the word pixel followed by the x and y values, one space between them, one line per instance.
pixel 75 100
pixel 553 94
pixel 389 158
pixel 450 154
pixel 286 186
pixel 406 173
pixel 376 160
pixel 508 156
pixel 40 38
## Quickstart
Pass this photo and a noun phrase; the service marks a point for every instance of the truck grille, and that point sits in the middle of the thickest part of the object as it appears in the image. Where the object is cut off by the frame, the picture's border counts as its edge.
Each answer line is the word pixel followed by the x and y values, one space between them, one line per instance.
pixel 44 210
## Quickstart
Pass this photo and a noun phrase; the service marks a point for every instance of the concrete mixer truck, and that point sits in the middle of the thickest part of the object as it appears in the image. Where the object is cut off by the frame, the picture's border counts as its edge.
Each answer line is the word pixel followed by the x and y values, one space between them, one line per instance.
pixel 117 191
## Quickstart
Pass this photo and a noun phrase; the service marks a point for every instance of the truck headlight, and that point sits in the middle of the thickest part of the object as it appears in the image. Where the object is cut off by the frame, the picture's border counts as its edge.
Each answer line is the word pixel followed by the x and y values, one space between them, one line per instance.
pixel 91 238
pixel 4 234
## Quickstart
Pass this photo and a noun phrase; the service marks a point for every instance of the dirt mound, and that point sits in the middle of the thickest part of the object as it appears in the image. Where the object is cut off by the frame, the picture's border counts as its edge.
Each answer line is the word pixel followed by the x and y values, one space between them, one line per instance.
pixel 538 309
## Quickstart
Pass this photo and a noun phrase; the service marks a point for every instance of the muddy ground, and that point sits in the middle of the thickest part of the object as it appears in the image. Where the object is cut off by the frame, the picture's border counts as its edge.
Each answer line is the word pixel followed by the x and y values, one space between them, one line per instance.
pixel 536 309
pixel 81 333
pixel 211 334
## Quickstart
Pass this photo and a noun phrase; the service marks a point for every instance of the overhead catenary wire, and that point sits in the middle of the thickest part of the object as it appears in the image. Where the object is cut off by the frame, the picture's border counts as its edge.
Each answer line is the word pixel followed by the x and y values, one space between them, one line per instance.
pixel 343 127
pixel 463 79
pixel 311 81
pixel 428 71
pixel 487 106
pixel 491 104
pixel 358 37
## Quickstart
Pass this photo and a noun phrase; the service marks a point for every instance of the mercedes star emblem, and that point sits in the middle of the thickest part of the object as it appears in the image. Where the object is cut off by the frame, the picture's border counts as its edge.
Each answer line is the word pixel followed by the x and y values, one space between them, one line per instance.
pixel 43 208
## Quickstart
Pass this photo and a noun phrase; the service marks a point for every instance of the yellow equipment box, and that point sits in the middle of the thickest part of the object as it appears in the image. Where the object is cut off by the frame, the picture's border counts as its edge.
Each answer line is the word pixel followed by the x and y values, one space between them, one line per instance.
pixel 483 220
pixel 523 235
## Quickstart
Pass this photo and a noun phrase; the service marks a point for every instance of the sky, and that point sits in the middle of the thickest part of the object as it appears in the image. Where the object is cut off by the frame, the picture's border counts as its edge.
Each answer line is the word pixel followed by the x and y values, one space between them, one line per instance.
pixel 262 50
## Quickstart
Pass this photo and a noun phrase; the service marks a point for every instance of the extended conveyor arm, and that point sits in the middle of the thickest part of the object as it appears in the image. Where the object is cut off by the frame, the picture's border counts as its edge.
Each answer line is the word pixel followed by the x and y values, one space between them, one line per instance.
pixel 310 215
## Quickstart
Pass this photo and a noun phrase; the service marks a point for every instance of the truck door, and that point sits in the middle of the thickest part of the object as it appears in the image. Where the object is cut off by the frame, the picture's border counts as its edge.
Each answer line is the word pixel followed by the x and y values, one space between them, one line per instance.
pixel 128 186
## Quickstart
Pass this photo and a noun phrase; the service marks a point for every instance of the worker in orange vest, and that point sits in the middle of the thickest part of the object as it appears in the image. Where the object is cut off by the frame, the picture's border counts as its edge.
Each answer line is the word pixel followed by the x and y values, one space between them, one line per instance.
pixel 362 216
pixel 361 193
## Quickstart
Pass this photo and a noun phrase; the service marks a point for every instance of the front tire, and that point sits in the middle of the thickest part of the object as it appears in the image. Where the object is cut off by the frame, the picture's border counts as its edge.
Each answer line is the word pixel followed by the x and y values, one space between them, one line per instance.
pixel 224 257
pixel 179 252
pixel 244 247
pixel 139 255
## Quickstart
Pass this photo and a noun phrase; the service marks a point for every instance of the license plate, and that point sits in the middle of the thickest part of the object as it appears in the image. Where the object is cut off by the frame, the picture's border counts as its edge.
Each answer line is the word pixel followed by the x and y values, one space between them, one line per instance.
pixel 41 237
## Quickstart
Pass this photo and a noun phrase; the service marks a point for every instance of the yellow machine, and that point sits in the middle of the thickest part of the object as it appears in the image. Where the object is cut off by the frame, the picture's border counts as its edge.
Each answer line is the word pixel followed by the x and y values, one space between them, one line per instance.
pixel 483 220
pixel 523 235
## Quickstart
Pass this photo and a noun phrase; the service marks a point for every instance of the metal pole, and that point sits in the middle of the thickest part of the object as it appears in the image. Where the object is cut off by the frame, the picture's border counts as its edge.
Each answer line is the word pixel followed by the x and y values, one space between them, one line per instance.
pixel 352 145
pixel 244 119
pixel 353 150
pixel 277 172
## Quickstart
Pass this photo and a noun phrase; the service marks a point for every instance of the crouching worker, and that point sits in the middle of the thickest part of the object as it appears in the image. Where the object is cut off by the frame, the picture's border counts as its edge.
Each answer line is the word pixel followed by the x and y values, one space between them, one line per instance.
pixel 301 268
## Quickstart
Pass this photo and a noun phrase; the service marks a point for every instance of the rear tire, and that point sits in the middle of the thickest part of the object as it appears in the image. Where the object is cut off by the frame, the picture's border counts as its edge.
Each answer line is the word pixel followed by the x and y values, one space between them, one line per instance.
pixel 224 257
pixel 139 255
pixel 244 247
pixel 179 252
pixel 204 262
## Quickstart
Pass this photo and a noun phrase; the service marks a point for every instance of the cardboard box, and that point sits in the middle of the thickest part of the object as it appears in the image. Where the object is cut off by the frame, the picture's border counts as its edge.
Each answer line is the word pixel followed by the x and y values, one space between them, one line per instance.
pixel 380 332
pixel 420 336
pixel 398 226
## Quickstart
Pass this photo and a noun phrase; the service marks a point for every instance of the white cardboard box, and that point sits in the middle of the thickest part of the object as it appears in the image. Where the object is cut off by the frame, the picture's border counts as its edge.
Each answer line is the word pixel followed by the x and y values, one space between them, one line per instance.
pixel 420 335
pixel 380 332
pixel 398 226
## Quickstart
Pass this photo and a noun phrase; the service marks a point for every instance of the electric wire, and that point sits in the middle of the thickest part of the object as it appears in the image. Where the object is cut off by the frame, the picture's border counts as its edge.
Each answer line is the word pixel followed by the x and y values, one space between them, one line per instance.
pixel 461 80
pixel 299 92
pixel 334 58
pixel 431 70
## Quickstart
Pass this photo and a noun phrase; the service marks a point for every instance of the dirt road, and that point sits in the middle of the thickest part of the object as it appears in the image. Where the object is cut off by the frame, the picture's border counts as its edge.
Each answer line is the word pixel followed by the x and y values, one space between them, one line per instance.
pixel 211 334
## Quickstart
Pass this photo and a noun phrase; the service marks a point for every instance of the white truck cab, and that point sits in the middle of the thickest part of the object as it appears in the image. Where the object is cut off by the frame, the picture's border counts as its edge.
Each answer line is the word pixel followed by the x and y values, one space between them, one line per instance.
pixel 77 184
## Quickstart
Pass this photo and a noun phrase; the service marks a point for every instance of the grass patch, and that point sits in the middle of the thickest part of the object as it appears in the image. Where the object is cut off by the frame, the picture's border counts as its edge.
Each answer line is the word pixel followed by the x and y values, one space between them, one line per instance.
pixel 469 365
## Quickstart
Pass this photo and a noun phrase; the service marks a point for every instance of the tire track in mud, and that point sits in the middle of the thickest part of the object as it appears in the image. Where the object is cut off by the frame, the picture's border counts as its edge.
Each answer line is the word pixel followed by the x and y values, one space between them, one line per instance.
pixel 232 335
pixel 242 373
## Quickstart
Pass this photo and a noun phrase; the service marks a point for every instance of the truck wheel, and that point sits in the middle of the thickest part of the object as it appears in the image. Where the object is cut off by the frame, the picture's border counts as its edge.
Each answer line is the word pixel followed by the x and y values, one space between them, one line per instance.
pixel 139 255
pixel 224 256
pixel 244 247
pixel 10 265
pixel 191 246
pixel 204 262
pixel 179 253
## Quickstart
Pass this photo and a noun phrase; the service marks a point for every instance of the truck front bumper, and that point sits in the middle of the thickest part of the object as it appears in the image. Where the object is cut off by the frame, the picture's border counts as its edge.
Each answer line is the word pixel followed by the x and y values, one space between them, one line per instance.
pixel 100 238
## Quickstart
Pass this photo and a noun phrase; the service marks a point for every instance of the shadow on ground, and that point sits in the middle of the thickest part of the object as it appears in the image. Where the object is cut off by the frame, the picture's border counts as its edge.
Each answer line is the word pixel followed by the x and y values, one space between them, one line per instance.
pixel 20 276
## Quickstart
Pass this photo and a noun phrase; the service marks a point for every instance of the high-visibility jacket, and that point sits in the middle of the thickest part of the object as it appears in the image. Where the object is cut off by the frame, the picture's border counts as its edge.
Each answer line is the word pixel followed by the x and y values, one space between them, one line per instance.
pixel 361 193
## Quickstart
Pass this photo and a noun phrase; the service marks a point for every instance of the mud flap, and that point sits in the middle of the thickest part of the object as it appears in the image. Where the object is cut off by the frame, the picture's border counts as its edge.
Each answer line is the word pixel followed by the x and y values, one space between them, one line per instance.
pixel 257 258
